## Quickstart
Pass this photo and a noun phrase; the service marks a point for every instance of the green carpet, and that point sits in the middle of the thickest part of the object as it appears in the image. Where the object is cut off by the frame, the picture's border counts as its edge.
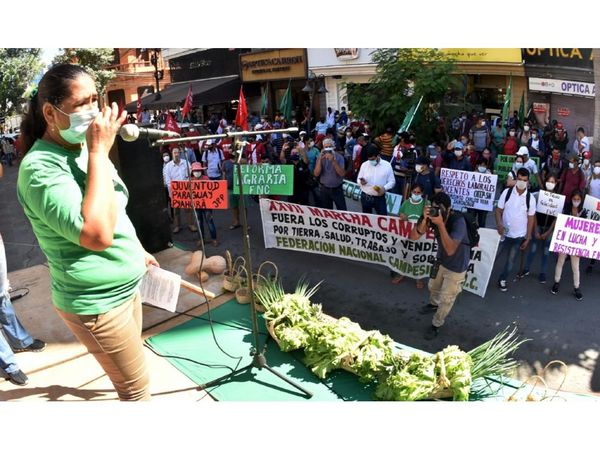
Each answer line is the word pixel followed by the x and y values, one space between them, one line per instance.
pixel 194 341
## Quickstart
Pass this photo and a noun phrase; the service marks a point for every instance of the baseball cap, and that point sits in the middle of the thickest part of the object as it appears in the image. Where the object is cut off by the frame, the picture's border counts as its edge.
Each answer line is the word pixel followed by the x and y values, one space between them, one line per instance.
pixel 458 145
pixel 209 142
pixel 523 151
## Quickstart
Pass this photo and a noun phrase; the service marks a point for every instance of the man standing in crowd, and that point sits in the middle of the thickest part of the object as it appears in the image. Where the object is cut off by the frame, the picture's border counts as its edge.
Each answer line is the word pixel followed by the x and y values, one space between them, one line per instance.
pixel 581 144
pixel 452 260
pixel 426 178
pixel 213 159
pixel 375 178
pixel 178 170
pixel 384 141
pixel 330 172
pixel 514 220
pixel 480 135
pixel 560 138
pixel 530 164
pixel 459 161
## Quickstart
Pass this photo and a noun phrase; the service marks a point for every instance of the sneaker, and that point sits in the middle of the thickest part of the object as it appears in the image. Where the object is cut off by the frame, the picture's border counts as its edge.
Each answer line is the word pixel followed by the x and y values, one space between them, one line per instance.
pixel 542 278
pixel 432 333
pixel 554 289
pixel 428 309
pixel 502 285
pixel 35 346
pixel 578 294
pixel 523 274
pixel 18 378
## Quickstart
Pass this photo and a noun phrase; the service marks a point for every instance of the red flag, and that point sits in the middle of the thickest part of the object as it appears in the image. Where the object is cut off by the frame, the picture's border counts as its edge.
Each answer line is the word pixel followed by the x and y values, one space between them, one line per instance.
pixel 241 118
pixel 139 109
pixel 187 105
pixel 171 123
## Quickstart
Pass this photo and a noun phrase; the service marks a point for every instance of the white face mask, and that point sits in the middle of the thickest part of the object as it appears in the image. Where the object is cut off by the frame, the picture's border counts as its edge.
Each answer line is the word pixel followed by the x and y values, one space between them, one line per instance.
pixel 512 133
pixel 521 185
pixel 576 203
pixel 586 162
pixel 571 165
pixel 166 158
pixel 418 168
pixel 596 170
pixel 525 128
pixel 458 153
pixel 79 124
pixel 534 137
pixel 550 186
pixel 197 173
pixel 518 165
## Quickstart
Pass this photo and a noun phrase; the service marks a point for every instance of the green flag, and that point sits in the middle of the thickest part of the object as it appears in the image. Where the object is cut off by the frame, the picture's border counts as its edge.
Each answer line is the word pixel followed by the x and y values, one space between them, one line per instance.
pixel 506 106
pixel 264 102
pixel 522 109
pixel 286 103
pixel 410 115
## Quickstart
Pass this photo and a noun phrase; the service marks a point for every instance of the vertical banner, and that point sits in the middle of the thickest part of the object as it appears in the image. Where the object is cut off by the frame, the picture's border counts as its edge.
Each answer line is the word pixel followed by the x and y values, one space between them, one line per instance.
pixel 469 189
pixel 352 192
pixel 550 203
pixel 591 208
pixel 265 179
pixel 205 194
pixel 576 236
pixel 369 238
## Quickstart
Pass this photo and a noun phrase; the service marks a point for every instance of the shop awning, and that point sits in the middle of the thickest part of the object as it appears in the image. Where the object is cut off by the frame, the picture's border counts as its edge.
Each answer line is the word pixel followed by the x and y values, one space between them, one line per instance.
pixel 205 92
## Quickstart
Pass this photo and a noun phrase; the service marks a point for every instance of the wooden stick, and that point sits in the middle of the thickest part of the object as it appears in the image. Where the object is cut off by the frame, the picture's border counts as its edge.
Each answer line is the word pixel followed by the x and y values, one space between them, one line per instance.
pixel 197 290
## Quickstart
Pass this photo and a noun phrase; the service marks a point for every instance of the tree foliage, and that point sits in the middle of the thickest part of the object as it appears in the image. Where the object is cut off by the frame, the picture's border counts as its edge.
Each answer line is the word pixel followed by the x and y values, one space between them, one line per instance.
pixel 18 68
pixel 404 75
pixel 94 60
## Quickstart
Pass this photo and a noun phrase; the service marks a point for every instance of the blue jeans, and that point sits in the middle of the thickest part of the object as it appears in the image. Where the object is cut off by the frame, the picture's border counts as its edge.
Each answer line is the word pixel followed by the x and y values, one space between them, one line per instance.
pixel 535 243
pixel 370 203
pixel 329 196
pixel 206 215
pixel 16 335
pixel 512 246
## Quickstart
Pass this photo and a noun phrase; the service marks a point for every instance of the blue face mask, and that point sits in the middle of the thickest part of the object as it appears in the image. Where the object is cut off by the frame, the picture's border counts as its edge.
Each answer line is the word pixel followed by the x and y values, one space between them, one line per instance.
pixel 482 169
pixel 416 197
pixel 373 162
pixel 79 124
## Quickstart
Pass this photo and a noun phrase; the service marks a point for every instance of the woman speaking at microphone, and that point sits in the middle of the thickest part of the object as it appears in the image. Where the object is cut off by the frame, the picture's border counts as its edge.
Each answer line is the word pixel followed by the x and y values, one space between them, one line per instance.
pixel 75 201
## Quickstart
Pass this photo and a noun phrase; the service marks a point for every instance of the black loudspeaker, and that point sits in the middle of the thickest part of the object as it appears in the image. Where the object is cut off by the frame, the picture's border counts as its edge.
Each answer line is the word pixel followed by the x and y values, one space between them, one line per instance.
pixel 140 168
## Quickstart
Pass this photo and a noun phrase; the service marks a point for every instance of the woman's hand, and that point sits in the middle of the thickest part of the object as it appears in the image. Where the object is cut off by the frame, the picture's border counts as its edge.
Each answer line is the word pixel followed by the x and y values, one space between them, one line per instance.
pixel 103 130
pixel 150 260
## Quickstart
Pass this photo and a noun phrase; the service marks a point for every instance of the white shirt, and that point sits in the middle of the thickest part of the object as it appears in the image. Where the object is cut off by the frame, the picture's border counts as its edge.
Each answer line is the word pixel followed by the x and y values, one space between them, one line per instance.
pixel 515 213
pixel 176 172
pixel 529 165
pixel 380 175
pixel 213 162
pixel 595 187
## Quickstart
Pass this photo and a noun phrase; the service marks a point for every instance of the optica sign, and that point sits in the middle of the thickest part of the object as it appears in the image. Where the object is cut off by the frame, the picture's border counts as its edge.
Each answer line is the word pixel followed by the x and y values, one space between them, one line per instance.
pixel 578 88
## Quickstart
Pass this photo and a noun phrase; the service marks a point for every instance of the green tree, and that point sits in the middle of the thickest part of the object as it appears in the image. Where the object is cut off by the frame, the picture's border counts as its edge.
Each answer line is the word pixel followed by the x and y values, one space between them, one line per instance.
pixel 18 69
pixel 94 60
pixel 404 75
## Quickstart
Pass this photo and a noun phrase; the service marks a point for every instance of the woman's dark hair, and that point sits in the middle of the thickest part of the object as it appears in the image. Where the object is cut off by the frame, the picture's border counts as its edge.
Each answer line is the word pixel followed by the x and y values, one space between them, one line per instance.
pixel 53 88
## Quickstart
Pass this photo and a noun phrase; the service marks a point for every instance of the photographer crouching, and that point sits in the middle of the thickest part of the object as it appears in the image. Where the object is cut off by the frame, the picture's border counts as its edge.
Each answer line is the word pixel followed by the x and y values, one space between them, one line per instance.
pixel 452 260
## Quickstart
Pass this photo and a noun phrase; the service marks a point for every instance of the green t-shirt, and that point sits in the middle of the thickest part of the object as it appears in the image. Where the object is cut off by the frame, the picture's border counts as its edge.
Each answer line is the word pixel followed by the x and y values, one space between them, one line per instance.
pixel 51 187
pixel 412 211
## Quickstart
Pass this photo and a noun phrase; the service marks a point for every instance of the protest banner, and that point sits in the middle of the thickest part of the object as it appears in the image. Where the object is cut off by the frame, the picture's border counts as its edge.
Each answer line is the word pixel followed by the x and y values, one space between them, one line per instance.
pixel 206 194
pixel 369 238
pixel 576 236
pixel 352 192
pixel 469 189
pixel 265 179
pixel 550 203
pixel 591 208
pixel 503 166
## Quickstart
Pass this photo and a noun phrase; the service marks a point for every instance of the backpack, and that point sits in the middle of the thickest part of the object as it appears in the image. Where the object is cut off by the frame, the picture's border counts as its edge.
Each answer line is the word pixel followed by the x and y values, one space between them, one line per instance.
pixel 472 227
pixel 528 196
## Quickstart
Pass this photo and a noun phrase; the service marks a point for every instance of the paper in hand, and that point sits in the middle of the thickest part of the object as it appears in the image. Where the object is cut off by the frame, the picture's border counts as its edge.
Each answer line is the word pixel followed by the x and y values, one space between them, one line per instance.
pixel 160 288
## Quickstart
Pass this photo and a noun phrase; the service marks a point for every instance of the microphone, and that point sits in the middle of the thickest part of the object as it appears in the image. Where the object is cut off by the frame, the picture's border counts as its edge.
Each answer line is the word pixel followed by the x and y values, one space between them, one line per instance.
pixel 131 132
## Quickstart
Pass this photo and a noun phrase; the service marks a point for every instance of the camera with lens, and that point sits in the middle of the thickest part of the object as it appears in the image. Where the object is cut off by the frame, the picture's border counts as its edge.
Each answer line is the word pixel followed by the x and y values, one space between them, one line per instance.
pixel 434 211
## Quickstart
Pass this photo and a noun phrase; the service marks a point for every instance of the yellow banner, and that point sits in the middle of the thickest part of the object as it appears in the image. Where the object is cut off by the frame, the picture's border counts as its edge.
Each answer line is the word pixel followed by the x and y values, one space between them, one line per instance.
pixel 502 55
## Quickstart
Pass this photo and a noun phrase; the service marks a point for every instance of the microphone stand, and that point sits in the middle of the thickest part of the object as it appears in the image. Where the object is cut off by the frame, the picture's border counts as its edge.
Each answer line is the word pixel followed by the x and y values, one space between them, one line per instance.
pixel 259 359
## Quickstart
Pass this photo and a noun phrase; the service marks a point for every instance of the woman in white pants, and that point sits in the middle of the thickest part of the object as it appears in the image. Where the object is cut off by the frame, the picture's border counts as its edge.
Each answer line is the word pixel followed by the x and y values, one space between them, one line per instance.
pixel 573 208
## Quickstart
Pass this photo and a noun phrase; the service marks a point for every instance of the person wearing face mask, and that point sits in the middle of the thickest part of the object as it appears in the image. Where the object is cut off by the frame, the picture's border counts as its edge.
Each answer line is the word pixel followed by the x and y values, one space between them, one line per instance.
pixel 586 166
pixel 510 142
pixel 530 165
pixel 178 170
pixel 75 201
pixel 542 236
pixel 302 176
pixel 536 146
pixel 452 259
pixel 458 160
pixel 349 143
pixel 498 136
pixel 511 177
pixel 572 178
pixel 593 187
pixel 330 171
pixel 166 157
pixel 560 138
pixel 481 215
pixel 572 208
pixel 375 178
pixel 514 221
pixel 480 135
pixel 204 215
pixel 581 144
pixel 488 157
pixel 426 178
pixel 554 165
pixel 525 134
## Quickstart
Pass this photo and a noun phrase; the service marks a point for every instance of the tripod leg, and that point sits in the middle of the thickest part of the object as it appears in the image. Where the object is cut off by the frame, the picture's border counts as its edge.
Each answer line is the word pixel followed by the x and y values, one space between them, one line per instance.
pixel 287 380
pixel 224 377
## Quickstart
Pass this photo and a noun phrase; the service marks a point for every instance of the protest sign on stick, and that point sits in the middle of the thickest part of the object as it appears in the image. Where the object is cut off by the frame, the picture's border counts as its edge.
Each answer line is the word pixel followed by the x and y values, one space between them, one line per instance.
pixel 576 236
pixel 265 179
pixel 469 189
pixel 206 194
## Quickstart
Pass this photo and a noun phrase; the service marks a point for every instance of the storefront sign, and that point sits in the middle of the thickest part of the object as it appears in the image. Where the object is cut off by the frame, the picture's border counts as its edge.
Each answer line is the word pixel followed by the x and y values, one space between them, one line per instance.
pixel 561 57
pixel 550 203
pixel 265 179
pixel 344 54
pixel 205 194
pixel 370 238
pixel 281 64
pixel 469 189
pixel 542 113
pixel 352 191
pixel 501 55
pixel 565 87
pixel 564 112
pixel 591 208
pixel 540 108
pixel 576 236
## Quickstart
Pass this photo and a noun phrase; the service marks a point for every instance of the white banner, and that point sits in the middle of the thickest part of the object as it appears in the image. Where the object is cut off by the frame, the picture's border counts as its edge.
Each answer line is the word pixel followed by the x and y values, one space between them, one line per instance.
pixel 550 203
pixel 469 189
pixel 562 87
pixel 369 238
pixel 576 236
pixel 352 191
pixel 591 208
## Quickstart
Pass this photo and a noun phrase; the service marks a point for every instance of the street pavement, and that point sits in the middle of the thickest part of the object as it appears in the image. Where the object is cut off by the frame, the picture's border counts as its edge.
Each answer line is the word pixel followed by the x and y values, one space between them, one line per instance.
pixel 560 328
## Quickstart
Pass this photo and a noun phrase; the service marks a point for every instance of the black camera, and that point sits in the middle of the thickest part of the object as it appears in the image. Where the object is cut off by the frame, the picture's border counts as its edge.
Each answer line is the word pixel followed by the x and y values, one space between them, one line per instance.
pixel 434 211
